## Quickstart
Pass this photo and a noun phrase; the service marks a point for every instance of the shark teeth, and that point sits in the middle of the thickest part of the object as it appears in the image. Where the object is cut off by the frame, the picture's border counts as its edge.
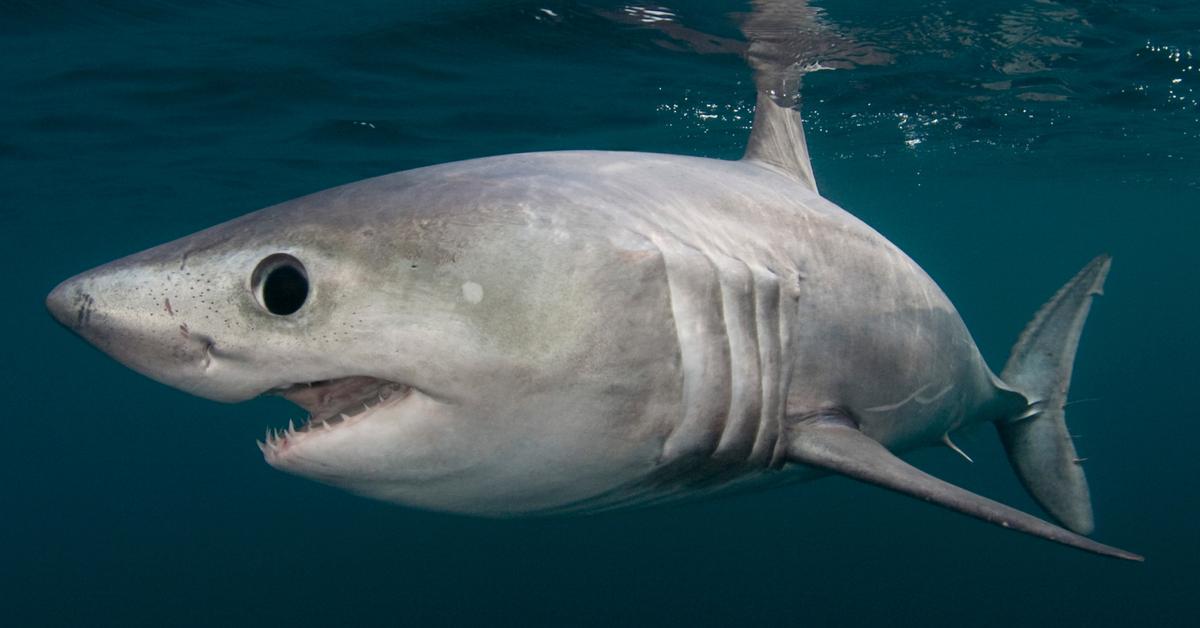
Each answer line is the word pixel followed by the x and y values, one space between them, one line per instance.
pixel 278 440
pixel 275 440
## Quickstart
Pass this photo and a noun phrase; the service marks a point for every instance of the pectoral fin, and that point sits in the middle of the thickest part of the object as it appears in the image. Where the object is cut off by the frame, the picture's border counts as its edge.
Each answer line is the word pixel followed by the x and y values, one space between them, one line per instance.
pixel 838 446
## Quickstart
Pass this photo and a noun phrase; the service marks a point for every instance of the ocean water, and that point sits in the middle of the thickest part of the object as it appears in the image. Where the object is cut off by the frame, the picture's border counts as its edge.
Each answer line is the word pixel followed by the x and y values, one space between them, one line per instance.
pixel 1001 144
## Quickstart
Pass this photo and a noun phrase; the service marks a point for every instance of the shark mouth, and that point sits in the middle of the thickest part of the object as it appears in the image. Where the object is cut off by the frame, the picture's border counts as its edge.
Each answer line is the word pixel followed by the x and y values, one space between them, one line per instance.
pixel 331 404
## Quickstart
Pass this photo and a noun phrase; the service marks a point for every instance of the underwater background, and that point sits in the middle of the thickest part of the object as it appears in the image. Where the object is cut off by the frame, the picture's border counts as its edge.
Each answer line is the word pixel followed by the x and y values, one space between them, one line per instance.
pixel 1000 144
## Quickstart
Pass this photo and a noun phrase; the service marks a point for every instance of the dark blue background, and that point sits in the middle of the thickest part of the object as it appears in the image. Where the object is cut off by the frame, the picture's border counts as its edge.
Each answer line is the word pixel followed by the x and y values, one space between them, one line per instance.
pixel 123 125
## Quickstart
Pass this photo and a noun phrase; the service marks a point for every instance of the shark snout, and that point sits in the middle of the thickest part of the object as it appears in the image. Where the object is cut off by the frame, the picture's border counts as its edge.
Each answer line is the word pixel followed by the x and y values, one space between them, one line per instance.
pixel 99 306
pixel 132 320
pixel 70 304
pixel 165 324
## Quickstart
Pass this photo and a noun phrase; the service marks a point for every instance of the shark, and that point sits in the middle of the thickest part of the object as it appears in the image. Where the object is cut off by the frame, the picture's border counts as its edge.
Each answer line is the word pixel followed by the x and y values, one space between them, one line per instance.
pixel 577 331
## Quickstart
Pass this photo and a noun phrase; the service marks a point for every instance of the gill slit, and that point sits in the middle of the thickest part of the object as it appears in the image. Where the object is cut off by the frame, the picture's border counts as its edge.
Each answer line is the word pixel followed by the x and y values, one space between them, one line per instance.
pixel 734 328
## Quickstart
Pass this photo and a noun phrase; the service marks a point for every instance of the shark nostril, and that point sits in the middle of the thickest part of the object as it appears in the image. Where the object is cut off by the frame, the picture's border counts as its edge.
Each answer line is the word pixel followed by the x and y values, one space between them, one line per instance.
pixel 208 354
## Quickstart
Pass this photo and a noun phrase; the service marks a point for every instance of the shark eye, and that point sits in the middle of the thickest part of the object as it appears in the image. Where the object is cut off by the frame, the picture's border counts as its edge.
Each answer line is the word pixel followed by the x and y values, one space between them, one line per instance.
pixel 280 283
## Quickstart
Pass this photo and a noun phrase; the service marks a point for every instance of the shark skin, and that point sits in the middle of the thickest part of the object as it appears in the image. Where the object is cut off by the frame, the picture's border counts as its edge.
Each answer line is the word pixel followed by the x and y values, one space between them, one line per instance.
pixel 566 332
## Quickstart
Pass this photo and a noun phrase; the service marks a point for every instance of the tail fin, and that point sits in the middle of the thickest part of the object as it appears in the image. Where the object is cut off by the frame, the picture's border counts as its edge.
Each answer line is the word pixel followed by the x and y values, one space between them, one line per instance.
pixel 1037 441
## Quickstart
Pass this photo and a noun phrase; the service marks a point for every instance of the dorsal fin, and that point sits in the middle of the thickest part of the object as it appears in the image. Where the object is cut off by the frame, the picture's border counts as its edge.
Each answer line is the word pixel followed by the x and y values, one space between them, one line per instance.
pixel 777 140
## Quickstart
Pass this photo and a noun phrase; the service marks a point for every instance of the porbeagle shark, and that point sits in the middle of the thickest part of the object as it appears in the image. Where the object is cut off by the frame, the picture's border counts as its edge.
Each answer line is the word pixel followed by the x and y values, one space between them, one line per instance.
pixel 578 331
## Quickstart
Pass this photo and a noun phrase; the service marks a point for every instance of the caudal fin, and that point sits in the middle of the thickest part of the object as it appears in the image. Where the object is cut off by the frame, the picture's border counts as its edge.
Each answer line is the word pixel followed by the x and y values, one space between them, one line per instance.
pixel 1037 441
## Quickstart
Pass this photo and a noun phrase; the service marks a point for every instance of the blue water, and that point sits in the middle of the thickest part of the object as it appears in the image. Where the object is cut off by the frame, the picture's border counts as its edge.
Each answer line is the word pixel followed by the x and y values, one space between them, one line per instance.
pixel 1001 144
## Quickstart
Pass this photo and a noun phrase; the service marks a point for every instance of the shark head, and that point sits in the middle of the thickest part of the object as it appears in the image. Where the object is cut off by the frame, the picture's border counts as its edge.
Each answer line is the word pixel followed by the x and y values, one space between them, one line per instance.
pixel 451 348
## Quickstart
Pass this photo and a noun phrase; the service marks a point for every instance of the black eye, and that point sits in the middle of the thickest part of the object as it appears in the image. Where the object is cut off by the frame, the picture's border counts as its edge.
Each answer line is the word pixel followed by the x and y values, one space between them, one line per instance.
pixel 281 284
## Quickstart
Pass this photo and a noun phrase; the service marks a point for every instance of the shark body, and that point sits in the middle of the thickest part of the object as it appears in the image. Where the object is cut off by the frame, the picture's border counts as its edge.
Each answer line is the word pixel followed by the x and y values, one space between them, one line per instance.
pixel 576 331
